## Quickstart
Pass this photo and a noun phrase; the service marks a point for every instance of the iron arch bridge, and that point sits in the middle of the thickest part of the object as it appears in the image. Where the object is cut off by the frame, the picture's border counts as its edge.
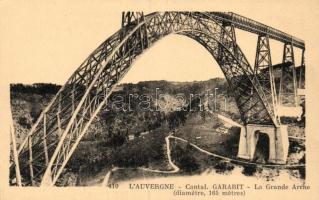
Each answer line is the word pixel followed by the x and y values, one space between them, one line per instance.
pixel 44 153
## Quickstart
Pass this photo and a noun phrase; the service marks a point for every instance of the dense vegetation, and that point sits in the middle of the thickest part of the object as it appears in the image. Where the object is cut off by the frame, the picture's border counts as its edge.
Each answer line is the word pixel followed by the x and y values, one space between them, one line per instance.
pixel 37 88
pixel 107 142
pixel 113 123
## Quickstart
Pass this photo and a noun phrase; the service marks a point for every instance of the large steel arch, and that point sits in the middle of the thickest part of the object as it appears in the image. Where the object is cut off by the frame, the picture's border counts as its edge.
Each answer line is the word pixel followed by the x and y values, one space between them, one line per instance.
pixel 57 132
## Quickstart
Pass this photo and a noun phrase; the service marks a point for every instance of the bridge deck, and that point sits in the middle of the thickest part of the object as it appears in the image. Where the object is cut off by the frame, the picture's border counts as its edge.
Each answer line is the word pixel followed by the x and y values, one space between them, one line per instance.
pixel 253 26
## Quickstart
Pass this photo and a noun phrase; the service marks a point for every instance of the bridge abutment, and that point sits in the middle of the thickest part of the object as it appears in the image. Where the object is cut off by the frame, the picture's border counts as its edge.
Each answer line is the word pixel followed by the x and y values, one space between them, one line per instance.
pixel 278 142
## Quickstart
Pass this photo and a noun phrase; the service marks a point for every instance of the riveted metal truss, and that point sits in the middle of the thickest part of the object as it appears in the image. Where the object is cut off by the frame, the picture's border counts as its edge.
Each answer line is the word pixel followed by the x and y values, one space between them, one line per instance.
pixel 302 72
pixel 14 156
pixel 57 132
pixel 265 74
pixel 288 81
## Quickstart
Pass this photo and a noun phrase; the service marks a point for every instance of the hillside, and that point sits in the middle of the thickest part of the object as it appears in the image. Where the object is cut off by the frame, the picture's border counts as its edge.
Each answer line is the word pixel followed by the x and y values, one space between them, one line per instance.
pixel 29 100
pixel 115 127
pixel 119 131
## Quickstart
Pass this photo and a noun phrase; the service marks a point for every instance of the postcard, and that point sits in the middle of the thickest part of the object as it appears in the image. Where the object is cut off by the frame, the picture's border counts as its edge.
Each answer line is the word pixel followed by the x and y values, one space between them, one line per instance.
pixel 159 100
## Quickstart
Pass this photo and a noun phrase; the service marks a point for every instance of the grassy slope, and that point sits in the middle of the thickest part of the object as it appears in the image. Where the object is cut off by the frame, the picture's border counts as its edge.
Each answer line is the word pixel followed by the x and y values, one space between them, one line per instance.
pixel 94 156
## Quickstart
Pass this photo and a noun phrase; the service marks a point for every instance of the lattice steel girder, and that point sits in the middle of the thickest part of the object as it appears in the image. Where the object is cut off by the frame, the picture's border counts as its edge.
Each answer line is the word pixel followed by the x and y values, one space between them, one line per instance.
pixel 288 82
pixel 302 71
pixel 244 96
pixel 131 18
pixel 68 116
pixel 264 72
pixel 241 95
pixel 258 28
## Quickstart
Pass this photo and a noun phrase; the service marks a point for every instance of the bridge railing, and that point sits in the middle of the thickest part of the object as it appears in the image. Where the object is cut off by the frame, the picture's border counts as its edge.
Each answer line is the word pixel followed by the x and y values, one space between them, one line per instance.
pixel 253 26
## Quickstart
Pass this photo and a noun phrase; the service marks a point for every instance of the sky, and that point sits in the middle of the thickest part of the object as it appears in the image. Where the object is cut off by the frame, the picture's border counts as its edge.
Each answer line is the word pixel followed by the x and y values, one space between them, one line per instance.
pixel 46 41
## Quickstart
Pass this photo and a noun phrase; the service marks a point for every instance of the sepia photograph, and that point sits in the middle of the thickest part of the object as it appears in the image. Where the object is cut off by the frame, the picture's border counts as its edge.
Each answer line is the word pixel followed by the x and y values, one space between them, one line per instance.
pixel 191 103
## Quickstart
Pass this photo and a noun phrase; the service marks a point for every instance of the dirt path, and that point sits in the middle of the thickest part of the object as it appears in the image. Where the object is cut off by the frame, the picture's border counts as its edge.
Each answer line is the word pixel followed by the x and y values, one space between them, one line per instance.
pixel 168 151
pixel 176 168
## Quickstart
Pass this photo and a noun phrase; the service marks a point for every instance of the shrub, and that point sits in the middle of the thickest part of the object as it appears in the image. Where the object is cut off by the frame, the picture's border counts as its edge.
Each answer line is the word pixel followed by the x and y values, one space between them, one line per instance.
pixel 223 167
pixel 249 170
pixel 23 121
